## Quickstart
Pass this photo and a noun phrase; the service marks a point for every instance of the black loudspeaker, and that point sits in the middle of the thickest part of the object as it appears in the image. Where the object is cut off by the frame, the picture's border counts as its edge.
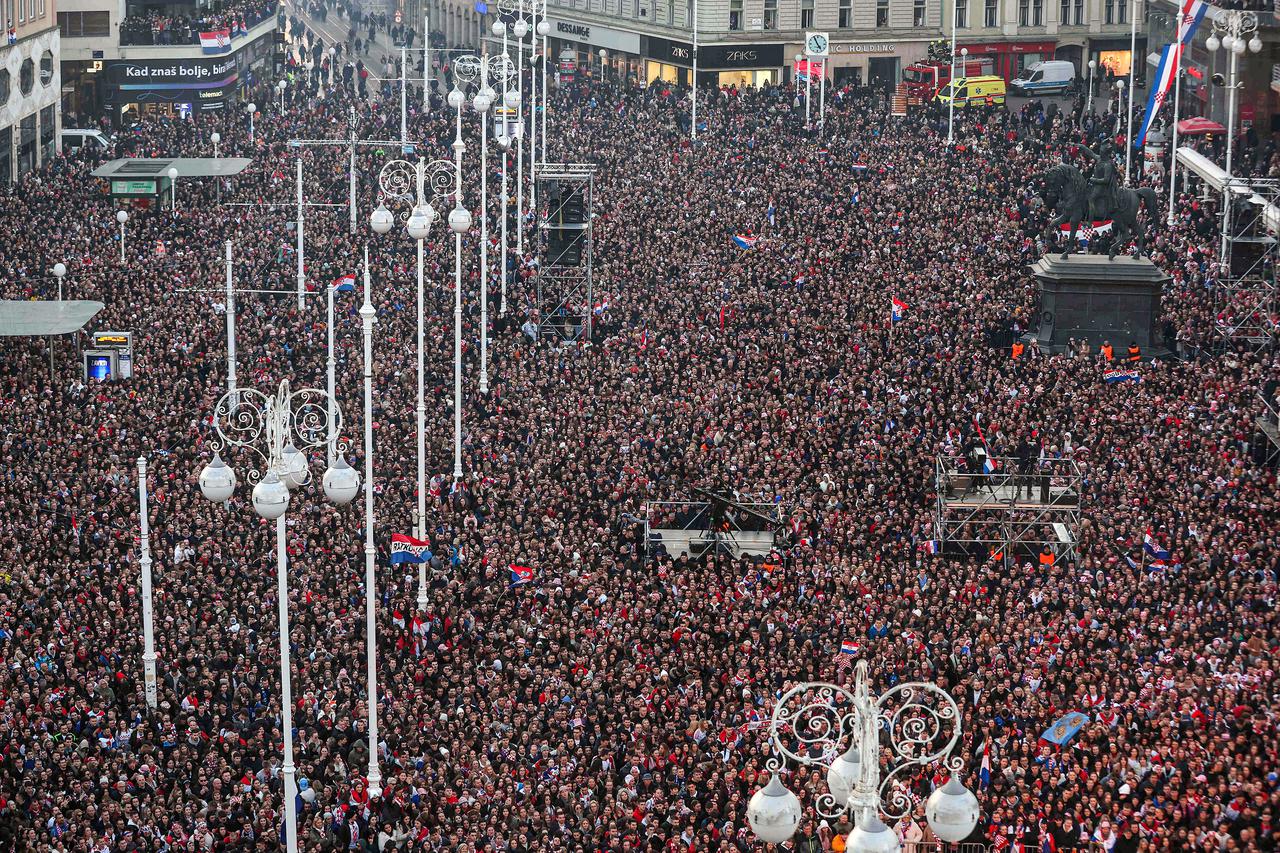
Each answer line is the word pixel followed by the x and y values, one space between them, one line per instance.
pixel 566 223
pixel 1247 255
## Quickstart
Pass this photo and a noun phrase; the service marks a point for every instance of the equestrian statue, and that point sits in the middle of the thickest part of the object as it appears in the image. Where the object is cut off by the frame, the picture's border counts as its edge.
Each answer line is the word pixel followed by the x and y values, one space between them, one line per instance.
pixel 1077 198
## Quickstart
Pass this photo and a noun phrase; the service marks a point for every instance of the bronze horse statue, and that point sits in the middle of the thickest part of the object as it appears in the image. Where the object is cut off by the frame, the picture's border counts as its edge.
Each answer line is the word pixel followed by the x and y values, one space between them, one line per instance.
pixel 1067 192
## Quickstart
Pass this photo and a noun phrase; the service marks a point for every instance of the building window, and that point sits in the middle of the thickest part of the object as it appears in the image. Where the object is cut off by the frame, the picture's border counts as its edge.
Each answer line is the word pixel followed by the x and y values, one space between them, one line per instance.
pixel 735 14
pixel 770 14
pixel 1037 13
pixel 1124 12
pixel 1064 12
pixel 991 13
pixel 1079 21
pixel 882 13
pixel 1024 12
pixel 962 14
pixel 48 124
pixel 46 68
pixel 76 24
pixel 26 77
pixel 846 14
pixel 5 89
pixel 918 15
pixel 806 14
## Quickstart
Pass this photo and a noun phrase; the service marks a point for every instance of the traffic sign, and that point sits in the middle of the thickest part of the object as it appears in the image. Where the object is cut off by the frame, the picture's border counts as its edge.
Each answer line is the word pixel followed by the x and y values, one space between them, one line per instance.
pixel 398 16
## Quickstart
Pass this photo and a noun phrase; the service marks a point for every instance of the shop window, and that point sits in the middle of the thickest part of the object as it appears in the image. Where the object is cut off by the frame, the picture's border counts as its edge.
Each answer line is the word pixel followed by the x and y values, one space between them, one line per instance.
pixel 735 14
pixel 1037 13
pixel 27 77
pixel 882 13
pixel 918 14
pixel 991 13
pixel 770 14
pixel 46 68
pixel 1024 12
pixel 962 14
pixel 806 14
pixel 846 14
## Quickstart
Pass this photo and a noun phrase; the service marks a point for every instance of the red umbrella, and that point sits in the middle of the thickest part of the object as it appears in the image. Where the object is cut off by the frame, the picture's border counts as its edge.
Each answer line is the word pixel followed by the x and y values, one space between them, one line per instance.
pixel 1198 126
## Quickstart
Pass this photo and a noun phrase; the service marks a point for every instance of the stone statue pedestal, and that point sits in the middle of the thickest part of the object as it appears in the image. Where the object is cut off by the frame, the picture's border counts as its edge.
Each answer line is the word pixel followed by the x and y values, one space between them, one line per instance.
pixel 1093 298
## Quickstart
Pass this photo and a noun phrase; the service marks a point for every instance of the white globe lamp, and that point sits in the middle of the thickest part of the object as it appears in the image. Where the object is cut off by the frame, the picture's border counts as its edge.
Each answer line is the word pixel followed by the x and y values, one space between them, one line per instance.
pixel 952 811
pixel 843 774
pixel 773 812
pixel 217 481
pixel 419 224
pixel 870 835
pixel 381 220
pixel 270 497
pixel 341 482
pixel 293 467
pixel 460 220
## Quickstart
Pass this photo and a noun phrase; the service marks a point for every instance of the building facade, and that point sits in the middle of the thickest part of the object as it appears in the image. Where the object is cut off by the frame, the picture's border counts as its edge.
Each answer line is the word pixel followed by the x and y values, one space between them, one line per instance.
pixel 30 83
pixel 754 42
pixel 171 60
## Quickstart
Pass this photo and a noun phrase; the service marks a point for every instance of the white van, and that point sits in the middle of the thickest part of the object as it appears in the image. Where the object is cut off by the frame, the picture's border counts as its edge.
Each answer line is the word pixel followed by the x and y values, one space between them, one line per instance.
pixel 74 139
pixel 1050 76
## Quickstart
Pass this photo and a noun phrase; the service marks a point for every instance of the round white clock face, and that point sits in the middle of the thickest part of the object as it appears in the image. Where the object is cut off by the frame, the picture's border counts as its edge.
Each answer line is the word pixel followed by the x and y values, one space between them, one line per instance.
pixel 817 43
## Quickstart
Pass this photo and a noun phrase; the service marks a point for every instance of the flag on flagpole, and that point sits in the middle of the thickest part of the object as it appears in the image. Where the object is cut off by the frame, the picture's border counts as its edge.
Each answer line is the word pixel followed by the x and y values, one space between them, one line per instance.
pixel 406 549
pixel 989 463
pixel 344 283
pixel 1165 73
pixel 1193 12
pixel 520 575
pixel 1152 546
pixel 745 241
pixel 897 309
pixel 849 647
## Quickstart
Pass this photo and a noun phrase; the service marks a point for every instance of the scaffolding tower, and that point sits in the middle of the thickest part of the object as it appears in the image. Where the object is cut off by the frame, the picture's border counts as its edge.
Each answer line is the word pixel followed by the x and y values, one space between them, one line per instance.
pixel 564 284
pixel 1266 440
pixel 1006 514
pixel 1246 306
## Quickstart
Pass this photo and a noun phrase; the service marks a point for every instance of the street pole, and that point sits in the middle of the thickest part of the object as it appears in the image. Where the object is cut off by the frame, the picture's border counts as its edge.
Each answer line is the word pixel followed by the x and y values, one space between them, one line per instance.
pixel 367 315
pixel 484 220
pixel 422 403
pixel 330 369
pixel 822 99
pixel 1133 67
pixel 144 560
pixel 351 172
pixel 506 147
pixel 951 104
pixel 459 210
pixel 426 62
pixel 217 182
pixel 1173 151
pixel 302 278
pixel 541 68
pixel 533 110
pixel 1092 65
pixel 693 91
pixel 808 88
pixel 288 770
pixel 404 104
pixel 520 144
pixel 231 329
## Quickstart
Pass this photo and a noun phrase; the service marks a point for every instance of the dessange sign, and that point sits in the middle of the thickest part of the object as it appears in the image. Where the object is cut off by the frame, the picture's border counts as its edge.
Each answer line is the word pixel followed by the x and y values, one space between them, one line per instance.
pixel 595 35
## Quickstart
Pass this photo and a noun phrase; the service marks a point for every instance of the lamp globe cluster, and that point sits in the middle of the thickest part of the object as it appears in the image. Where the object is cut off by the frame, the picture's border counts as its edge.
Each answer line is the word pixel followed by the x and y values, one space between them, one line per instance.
pixel 270 496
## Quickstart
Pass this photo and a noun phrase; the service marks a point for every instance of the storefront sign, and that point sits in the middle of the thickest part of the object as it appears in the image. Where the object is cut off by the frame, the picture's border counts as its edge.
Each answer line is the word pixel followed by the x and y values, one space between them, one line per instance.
pixel 1013 47
pixel 673 52
pixel 134 187
pixel 720 56
pixel 864 47
pixel 595 35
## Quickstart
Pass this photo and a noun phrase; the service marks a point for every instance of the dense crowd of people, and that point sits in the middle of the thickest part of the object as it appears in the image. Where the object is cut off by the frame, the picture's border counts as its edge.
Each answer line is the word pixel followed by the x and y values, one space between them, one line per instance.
pixel 159 26
pixel 615 702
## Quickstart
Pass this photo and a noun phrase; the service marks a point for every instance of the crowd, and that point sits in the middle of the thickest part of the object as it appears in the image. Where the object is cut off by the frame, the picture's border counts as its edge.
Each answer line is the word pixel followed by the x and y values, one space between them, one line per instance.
pixel 614 703
pixel 163 27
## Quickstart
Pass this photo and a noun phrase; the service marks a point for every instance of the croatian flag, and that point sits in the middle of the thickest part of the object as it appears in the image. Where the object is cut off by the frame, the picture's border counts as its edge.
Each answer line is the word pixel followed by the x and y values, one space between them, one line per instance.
pixel 216 41
pixel 1114 377
pixel 1164 82
pixel 521 575
pixel 1193 12
pixel 989 463
pixel 1086 231
pixel 406 549
pixel 1157 552
pixel 849 647
pixel 858 167
pixel 344 283
pixel 984 771
pixel 745 241
pixel 897 309
pixel 933 546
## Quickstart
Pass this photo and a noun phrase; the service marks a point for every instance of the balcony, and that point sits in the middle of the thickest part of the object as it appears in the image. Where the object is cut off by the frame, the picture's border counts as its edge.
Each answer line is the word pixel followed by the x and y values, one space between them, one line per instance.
pixel 178 29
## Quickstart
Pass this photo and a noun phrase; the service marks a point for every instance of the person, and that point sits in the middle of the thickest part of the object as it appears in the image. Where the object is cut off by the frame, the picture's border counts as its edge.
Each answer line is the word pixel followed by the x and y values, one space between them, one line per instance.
pixel 1135 353
pixel 1107 352
pixel 1104 181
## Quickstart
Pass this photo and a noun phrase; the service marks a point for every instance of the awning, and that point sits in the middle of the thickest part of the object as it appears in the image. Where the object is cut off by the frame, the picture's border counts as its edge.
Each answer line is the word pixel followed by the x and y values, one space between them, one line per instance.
pixel 25 318
pixel 1199 126
pixel 188 167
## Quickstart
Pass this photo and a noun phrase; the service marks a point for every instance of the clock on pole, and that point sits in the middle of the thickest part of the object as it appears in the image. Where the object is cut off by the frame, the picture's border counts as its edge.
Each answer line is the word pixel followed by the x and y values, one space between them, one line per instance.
pixel 816 44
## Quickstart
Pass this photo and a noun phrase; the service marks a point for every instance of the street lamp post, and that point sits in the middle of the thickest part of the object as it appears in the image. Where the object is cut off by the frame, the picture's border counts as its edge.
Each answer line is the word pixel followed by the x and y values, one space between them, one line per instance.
pixel 272 427
pixel 951 104
pixel 122 217
pixel 1235 31
pixel 1093 63
pixel 432 182
pixel 1118 104
pixel 1133 67
pixel 173 190
pixel 59 270
pixel 367 319
pixel 825 725
pixel 459 223
pixel 216 137
pixel 280 87
pixel 144 563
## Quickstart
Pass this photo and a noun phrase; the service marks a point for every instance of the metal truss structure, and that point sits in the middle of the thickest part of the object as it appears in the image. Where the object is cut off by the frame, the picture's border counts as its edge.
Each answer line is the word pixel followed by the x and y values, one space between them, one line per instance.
pixel 1267 438
pixel 1006 513
pixel 564 289
pixel 705 528
pixel 1247 308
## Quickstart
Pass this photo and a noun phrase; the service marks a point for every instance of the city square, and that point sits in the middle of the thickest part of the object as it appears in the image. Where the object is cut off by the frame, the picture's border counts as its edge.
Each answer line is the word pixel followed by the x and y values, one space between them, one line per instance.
pixel 848 427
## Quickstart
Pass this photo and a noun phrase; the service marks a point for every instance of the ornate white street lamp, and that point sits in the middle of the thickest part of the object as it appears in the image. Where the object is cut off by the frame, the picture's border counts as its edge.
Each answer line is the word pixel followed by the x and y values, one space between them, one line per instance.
pixel 272 428
pixel 420 183
pixel 826 725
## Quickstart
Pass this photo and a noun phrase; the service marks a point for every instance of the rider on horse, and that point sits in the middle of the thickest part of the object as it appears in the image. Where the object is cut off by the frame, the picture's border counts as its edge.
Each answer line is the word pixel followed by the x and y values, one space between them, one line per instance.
pixel 1104 182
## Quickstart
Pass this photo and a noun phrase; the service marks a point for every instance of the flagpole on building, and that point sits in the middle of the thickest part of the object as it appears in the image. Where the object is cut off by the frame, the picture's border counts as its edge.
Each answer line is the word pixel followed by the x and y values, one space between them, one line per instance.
pixel 1133 67
pixel 1173 151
